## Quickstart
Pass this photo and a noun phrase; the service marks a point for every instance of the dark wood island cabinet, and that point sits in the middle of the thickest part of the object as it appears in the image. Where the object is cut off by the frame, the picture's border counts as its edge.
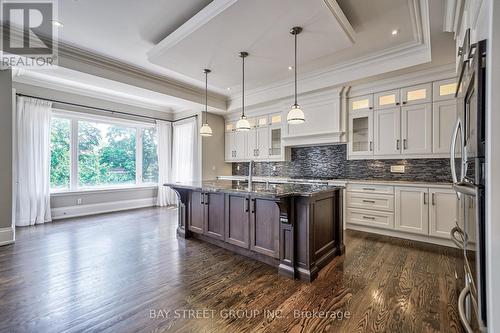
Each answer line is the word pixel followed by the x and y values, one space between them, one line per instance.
pixel 297 228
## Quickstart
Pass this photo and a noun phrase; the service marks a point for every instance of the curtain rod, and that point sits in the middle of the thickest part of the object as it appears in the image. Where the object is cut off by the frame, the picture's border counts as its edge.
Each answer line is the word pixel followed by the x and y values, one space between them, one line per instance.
pixel 106 110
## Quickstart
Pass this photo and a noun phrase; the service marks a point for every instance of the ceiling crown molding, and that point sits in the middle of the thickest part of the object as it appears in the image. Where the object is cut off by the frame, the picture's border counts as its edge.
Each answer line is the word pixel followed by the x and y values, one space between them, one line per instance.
pixel 409 54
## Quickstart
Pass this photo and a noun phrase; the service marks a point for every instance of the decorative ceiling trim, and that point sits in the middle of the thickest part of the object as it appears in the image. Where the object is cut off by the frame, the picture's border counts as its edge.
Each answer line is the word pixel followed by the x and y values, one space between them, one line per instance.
pixel 196 22
pixel 46 81
pixel 344 23
pixel 409 54
pixel 87 62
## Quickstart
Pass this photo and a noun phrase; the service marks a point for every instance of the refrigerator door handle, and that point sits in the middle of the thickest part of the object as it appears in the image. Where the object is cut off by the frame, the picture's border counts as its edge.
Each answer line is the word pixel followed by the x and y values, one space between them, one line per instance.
pixel 456 131
pixel 458 242
pixel 461 309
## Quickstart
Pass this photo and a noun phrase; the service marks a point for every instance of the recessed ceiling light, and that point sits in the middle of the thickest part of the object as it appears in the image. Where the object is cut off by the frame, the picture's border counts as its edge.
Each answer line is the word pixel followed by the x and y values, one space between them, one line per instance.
pixel 395 32
pixel 57 24
pixel 290 68
pixel 228 88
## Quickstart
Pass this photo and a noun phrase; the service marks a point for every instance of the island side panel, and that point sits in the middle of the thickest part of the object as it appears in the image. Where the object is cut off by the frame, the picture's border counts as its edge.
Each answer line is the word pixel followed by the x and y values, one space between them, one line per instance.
pixel 287 242
pixel 183 211
pixel 318 222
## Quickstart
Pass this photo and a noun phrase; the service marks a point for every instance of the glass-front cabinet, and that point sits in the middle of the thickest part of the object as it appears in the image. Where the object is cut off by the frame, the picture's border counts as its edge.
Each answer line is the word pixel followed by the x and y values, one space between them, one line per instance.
pixel 418 94
pixel 387 99
pixel 444 90
pixel 361 103
pixel 275 149
pixel 361 133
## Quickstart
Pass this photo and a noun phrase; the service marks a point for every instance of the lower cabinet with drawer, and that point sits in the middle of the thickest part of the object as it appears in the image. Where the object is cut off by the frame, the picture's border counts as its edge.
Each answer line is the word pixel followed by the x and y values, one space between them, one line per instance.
pixel 414 212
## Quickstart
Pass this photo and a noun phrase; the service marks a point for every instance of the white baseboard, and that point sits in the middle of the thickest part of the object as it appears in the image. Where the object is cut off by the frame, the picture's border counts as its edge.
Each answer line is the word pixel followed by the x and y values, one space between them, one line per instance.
pixel 99 208
pixel 6 236
pixel 399 234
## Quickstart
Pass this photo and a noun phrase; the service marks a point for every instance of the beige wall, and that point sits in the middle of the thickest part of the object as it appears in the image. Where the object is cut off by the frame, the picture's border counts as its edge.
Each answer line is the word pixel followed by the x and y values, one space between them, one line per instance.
pixel 213 164
pixel 5 152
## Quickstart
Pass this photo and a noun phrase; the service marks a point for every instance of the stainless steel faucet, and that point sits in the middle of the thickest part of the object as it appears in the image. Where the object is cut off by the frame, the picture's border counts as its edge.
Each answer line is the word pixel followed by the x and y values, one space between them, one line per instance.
pixel 250 174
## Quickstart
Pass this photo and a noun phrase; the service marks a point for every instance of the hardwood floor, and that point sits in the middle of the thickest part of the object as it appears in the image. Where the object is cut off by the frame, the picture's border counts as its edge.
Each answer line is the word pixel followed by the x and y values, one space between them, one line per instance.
pixel 122 272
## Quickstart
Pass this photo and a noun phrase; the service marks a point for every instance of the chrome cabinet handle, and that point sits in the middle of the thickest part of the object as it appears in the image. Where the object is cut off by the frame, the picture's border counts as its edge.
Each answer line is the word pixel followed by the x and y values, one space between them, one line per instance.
pixel 433 200
pixel 202 198
pixel 461 308
pixel 397 144
pixel 371 145
pixel 246 205
pixel 425 198
pixel 368 189
pixel 207 200
pixel 369 201
pixel 368 217
pixel 253 206
pixel 405 143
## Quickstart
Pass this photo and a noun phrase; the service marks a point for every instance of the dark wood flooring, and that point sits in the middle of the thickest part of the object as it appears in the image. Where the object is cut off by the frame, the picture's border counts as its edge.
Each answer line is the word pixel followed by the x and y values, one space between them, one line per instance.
pixel 123 272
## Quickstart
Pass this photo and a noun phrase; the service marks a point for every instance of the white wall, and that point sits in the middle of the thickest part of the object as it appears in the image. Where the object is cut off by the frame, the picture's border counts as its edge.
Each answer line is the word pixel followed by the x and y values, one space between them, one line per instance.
pixel 212 156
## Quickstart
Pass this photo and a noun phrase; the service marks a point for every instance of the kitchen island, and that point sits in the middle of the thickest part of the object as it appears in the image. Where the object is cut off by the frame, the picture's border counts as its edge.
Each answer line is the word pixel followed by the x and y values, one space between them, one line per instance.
pixel 297 228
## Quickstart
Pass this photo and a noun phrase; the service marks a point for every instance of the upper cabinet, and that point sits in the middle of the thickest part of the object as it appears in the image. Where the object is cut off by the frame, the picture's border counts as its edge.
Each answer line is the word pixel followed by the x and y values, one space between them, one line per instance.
pixel 444 90
pixel 418 94
pixel 361 103
pixel 361 133
pixel 263 142
pixel 411 122
pixel 387 99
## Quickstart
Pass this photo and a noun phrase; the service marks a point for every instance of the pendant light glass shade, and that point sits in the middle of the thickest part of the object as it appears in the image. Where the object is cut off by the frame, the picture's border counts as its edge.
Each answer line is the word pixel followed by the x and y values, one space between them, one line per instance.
pixel 242 124
pixel 295 115
pixel 205 129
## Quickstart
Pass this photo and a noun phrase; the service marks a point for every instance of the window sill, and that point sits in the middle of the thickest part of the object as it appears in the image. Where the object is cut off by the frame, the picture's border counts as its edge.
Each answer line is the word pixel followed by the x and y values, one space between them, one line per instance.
pixel 103 189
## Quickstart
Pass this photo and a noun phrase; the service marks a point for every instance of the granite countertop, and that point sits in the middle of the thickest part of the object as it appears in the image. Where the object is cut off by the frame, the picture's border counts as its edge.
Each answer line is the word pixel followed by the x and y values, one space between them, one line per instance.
pixel 258 189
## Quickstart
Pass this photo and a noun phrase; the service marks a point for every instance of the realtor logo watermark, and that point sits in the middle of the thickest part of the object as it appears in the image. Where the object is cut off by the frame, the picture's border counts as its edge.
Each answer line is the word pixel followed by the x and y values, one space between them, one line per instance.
pixel 29 38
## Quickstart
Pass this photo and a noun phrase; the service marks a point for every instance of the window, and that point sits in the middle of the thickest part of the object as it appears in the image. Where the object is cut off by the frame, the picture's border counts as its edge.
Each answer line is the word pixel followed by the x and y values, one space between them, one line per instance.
pixel 107 152
pixel 60 159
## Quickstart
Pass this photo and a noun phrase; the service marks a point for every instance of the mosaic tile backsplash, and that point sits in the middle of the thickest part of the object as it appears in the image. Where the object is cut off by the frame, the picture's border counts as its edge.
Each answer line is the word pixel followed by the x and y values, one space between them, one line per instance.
pixel 327 162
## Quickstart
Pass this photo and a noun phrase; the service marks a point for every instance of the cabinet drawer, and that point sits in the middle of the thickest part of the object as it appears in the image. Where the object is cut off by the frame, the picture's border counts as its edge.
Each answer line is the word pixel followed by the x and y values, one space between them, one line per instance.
pixel 367 188
pixel 370 218
pixel 370 201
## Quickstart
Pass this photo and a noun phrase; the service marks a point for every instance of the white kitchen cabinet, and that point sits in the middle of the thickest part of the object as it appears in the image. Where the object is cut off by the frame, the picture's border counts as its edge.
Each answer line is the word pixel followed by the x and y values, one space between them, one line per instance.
pixel 361 133
pixel 387 132
pixel 258 143
pixel 416 129
pixel 370 218
pixel 387 99
pixel 444 90
pixel 229 146
pixel 412 210
pixel 442 212
pixel 444 117
pixel 418 94
pixel 240 145
pixel 274 142
pixel 361 103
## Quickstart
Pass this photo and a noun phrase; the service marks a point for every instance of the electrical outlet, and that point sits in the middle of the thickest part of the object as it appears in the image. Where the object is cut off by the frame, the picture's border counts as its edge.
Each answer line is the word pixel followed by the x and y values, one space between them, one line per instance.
pixel 397 168
pixel 79 201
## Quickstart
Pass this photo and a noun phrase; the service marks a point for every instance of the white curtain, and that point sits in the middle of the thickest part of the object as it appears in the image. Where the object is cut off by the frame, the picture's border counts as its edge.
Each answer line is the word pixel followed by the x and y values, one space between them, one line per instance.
pixel 185 151
pixel 164 149
pixel 33 161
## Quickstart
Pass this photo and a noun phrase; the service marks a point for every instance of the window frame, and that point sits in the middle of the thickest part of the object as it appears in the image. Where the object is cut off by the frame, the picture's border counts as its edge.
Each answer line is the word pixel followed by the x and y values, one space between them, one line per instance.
pixel 74 118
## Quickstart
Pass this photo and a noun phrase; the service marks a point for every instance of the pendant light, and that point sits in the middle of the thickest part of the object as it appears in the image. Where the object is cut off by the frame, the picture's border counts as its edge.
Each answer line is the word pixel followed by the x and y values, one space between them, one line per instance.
pixel 205 129
pixel 295 115
pixel 243 124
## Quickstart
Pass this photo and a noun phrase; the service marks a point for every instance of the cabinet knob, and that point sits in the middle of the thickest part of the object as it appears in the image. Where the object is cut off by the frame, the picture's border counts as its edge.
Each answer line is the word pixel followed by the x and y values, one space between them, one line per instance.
pixel 404 102
pixel 370 108
pixel 397 103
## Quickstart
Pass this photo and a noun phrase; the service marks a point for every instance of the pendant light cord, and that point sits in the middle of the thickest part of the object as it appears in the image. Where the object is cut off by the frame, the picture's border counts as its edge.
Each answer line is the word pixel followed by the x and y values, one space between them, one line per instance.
pixel 206 97
pixel 295 67
pixel 243 89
